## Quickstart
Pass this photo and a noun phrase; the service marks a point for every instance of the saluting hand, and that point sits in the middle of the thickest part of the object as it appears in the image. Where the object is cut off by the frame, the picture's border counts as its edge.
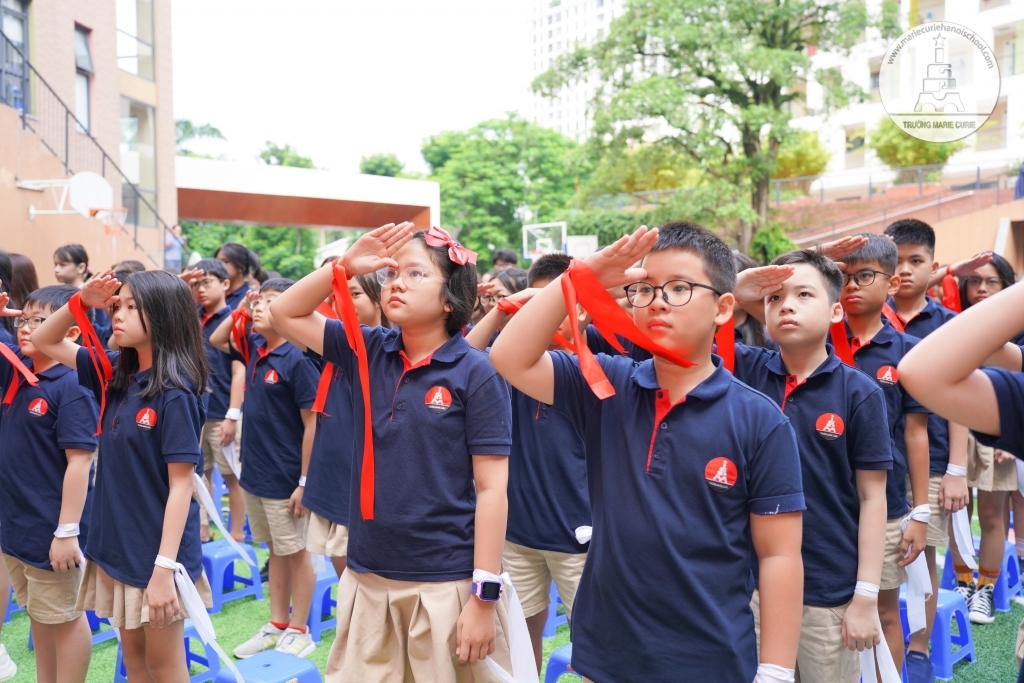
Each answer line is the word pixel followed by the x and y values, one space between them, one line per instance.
pixel 755 284
pixel 614 265
pixel 841 247
pixel 374 250
pixel 4 311
pixel 99 292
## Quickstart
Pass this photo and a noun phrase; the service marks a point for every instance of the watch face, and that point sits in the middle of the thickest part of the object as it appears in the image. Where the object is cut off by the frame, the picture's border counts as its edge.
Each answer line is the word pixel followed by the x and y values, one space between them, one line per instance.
pixel 490 590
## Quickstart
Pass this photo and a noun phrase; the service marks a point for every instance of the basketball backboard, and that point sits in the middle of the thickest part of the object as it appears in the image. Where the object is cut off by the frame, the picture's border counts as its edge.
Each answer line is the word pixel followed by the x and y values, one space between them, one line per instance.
pixel 543 238
pixel 84 193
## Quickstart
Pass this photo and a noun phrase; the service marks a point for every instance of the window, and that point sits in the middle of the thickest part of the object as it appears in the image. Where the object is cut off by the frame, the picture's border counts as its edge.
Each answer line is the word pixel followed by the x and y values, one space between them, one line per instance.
pixel 138 159
pixel 83 79
pixel 600 3
pixel 135 37
pixel 14 79
pixel 600 17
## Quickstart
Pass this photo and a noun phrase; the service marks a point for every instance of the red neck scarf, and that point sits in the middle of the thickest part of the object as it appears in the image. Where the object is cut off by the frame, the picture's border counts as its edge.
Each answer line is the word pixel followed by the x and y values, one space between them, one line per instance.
pixel 893 317
pixel 239 322
pixel 580 285
pixel 841 343
pixel 325 309
pixel 97 351
pixel 951 293
pixel 354 336
pixel 20 371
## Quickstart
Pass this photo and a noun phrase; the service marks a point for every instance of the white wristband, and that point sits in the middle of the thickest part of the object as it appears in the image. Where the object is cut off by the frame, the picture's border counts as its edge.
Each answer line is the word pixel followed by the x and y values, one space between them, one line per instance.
pixel 233 414
pixel 956 470
pixel 484 575
pixel 302 480
pixel 165 562
pixel 868 590
pixel 66 530
pixel 922 513
pixel 773 673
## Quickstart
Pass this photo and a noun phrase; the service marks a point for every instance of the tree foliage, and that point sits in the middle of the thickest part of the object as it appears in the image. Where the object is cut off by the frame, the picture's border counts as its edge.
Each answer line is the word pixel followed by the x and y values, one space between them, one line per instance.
pixel 288 251
pixel 718 76
pixel 185 131
pixel 381 164
pixel 278 155
pixel 896 147
pixel 803 156
pixel 497 176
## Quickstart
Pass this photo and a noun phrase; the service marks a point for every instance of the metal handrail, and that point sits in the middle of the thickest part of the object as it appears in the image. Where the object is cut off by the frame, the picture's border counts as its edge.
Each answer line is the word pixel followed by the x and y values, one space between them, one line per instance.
pixel 70 117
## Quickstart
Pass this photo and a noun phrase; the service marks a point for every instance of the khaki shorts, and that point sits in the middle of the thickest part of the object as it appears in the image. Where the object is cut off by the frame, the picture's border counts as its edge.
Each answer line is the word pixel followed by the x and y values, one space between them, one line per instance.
pixel 982 471
pixel 49 597
pixel 269 520
pixel 532 572
pixel 213 452
pixel 324 537
pixel 126 606
pixel 893 575
pixel 821 656
pixel 406 631
pixel 938 525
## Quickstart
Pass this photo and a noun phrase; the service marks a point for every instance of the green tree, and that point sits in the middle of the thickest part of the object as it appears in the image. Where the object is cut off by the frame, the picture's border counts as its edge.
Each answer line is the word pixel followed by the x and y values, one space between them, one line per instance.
pixel 276 155
pixel 720 75
pixel 803 156
pixel 381 164
pixel 896 148
pixel 185 131
pixel 288 251
pixel 638 167
pixel 769 243
pixel 498 175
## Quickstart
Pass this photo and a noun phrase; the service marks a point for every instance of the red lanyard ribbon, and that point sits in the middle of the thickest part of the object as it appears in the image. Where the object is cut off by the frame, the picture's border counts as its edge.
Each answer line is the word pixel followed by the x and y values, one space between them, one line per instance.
pixel 725 343
pixel 841 343
pixel 580 284
pixel 951 293
pixel 239 320
pixel 894 318
pixel 510 308
pixel 20 369
pixel 354 335
pixel 325 309
pixel 96 349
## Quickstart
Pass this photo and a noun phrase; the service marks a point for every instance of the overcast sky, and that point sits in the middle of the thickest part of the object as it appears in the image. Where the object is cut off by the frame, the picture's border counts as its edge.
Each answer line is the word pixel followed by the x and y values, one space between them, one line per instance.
pixel 341 79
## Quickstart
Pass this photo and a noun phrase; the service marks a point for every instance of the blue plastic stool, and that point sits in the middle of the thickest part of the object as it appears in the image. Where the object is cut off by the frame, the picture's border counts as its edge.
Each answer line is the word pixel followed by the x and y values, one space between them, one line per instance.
pixel 559 663
pixel 554 618
pixel 951 606
pixel 948 578
pixel 219 560
pixel 95 623
pixel 12 607
pixel 272 666
pixel 208 659
pixel 321 619
pixel 220 489
pixel 1008 584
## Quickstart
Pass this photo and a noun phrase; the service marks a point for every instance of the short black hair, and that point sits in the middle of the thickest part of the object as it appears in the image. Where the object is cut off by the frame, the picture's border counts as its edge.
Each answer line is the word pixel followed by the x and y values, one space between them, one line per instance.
pixel 879 249
pixel 548 267
pixel 830 273
pixel 513 279
pixel 214 267
pixel 276 284
pixel 52 296
pixel 715 254
pixel 912 231
pixel 129 266
pixel 506 255
pixel 459 291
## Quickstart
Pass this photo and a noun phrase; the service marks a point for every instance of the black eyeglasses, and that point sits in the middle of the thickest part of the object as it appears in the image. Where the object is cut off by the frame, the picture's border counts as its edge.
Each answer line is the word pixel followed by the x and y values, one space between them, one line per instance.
pixel 30 323
pixel 673 292
pixel 863 278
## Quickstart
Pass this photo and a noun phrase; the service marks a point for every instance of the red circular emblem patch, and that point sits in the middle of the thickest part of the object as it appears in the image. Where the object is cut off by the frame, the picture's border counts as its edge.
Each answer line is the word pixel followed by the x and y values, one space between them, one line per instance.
pixel 438 400
pixel 720 474
pixel 146 419
pixel 887 376
pixel 830 426
pixel 38 407
pixel 271 377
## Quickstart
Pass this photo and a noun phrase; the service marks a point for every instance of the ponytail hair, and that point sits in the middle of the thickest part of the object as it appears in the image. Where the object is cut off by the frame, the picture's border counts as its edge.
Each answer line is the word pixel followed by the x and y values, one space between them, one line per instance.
pixel 168 314
pixel 245 260
pixel 459 292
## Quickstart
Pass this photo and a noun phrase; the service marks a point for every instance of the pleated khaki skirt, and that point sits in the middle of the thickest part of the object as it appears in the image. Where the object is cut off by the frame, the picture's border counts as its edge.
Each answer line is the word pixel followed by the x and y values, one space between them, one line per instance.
pixel 125 606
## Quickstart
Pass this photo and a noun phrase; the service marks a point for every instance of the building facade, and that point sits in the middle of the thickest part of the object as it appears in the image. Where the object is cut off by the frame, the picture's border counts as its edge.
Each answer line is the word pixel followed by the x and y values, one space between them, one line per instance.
pixel 86 86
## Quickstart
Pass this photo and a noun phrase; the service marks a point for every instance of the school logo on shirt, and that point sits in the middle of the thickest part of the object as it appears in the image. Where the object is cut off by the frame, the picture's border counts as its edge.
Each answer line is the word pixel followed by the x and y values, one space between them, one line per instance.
pixel 38 407
pixel 438 400
pixel 720 474
pixel 146 419
pixel 829 426
pixel 887 376
pixel 271 377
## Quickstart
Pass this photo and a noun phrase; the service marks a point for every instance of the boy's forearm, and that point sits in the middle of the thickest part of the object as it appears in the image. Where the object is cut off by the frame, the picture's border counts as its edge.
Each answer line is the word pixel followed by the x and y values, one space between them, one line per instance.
pixel 75 487
pixel 489 530
pixel 957 444
pixel 237 385
pixel 871 527
pixel 480 336
pixel 307 439
pixel 781 589
pixel 220 338
pixel 915 438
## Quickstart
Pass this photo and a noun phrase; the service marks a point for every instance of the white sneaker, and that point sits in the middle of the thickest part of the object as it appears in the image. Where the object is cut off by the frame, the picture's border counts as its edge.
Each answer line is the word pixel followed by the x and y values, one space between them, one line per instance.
pixel 8 669
pixel 264 639
pixel 295 642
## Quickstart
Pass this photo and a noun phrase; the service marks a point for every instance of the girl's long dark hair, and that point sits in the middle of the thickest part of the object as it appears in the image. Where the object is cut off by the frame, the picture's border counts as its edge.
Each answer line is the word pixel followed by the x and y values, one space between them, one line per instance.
pixel 245 260
pixel 513 279
pixel 168 314
pixel 24 280
pixel 6 278
pixel 372 289
pixel 74 253
pixel 1003 269
pixel 459 291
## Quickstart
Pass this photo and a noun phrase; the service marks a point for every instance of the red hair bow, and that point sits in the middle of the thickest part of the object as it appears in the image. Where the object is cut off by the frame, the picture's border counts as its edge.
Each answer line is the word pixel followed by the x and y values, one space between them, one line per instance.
pixel 439 237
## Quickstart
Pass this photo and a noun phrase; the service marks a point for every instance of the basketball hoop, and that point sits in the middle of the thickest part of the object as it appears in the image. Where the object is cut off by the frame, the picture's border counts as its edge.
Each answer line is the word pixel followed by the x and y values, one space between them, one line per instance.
pixel 113 219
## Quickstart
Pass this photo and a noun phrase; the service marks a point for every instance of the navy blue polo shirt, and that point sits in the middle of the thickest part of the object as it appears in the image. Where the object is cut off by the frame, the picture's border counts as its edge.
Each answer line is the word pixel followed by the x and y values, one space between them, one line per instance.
pixel 232 299
pixel 35 429
pixel 1009 388
pixel 328 479
pixel 278 385
pixel 931 318
pixel 8 339
pixel 838 414
pixel 429 420
pixel 667 583
pixel 141 436
pixel 879 359
pixel 598 344
pixel 219 381
pixel 547 478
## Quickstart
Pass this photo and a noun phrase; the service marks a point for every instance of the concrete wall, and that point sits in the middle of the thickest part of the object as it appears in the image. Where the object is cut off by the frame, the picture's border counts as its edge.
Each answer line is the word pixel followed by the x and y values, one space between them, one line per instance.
pixel 964 236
